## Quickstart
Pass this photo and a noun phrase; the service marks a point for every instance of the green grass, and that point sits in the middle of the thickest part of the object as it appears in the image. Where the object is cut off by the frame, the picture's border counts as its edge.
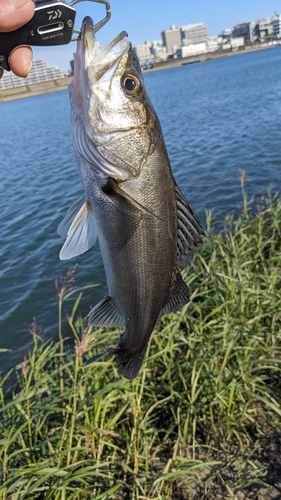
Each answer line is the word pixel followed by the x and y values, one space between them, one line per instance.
pixel 202 419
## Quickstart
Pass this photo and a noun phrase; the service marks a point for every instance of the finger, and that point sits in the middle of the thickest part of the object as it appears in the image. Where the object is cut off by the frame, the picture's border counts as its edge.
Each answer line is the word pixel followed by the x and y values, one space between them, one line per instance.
pixel 15 13
pixel 20 61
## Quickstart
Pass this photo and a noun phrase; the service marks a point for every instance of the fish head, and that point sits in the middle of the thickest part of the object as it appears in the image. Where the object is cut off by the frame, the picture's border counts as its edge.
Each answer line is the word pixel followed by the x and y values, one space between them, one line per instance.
pixel 112 119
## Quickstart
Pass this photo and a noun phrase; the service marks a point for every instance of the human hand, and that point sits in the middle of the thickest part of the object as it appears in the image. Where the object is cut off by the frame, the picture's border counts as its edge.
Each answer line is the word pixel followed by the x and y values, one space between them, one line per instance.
pixel 13 15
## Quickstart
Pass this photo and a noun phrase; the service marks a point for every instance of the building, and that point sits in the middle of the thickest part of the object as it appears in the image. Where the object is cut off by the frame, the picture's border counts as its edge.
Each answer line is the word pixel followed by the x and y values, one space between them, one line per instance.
pixel 159 51
pixel 224 36
pixel 226 45
pixel 38 73
pixel 246 30
pixel 276 26
pixel 237 42
pixel 172 39
pixel 144 52
pixel 194 33
pixel 193 49
pixel 263 29
pixel 213 43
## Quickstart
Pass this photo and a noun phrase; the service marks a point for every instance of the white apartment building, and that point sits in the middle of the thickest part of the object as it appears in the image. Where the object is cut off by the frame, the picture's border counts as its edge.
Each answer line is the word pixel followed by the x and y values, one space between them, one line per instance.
pixel 213 43
pixel 193 49
pixel 237 42
pixel 172 39
pixel 144 52
pixel 263 28
pixel 159 51
pixel 276 26
pixel 194 33
pixel 39 73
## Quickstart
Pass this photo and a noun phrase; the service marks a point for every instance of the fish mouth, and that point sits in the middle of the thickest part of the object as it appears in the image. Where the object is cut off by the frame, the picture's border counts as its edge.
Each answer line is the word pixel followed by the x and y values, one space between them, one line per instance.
pixel 94 68
pixel 98 60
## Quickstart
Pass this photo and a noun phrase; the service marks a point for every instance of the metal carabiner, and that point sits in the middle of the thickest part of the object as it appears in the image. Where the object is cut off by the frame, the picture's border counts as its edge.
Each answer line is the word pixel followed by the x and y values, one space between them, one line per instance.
pixel 100 24
pixel 51 25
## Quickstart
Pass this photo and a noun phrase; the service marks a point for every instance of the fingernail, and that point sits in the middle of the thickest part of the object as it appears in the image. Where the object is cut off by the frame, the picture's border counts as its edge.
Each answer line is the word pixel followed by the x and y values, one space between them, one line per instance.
pixel 20 61
pixel 18 3
pixel 28 68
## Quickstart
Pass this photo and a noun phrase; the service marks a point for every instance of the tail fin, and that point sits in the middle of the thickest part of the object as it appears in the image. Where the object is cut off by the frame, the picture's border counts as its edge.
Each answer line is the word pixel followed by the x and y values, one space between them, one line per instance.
pixel 129 363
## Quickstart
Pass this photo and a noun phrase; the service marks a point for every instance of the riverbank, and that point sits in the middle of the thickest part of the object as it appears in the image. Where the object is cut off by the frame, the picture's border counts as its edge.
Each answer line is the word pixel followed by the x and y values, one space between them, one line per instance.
pixel 201 420
pixel 34 89
pixel 182 61
pixel 62 84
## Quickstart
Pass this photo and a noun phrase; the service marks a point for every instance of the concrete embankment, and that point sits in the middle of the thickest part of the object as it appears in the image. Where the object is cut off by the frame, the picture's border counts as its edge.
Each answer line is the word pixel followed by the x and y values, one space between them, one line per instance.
pixel 182 61
pixel 34 89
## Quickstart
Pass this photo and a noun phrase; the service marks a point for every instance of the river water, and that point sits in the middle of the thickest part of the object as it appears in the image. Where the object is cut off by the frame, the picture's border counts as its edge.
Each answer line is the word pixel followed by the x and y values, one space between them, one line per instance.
pixel 217 117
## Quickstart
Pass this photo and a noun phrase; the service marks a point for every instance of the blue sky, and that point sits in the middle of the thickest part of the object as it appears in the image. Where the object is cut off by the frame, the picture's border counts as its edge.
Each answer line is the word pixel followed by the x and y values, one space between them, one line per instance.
pixel 145 19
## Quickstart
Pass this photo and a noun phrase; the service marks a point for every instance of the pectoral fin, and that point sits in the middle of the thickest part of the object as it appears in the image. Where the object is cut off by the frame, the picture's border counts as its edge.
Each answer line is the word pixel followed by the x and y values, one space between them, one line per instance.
pixel 124 200
pixel 80 225
pixel 65 224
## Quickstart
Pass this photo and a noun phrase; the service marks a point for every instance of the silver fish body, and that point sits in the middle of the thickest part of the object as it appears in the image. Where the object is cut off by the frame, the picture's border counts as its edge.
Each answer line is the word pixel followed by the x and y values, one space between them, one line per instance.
pixel 132 204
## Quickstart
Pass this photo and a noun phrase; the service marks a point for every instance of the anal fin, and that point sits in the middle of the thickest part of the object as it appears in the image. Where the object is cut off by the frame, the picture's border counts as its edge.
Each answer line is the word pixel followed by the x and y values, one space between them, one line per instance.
pixel 179 296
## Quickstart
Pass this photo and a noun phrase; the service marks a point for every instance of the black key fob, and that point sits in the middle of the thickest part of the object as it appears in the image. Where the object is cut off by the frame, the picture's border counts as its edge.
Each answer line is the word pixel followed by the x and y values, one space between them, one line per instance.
pixel 52 24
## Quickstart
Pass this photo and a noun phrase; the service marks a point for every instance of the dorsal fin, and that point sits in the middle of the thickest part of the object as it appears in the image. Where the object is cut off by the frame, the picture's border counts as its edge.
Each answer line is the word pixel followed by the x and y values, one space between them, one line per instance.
pixel 190 231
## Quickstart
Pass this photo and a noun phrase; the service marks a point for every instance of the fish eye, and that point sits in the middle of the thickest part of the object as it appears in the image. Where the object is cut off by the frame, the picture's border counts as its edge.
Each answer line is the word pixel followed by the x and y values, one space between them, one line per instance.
pixel 131 85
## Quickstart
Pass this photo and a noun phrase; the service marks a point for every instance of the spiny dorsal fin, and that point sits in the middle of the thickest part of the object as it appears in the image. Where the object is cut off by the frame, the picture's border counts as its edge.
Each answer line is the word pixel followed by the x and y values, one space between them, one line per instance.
pixel 105 313
pixel 81 229
pixel 190 231
pixel 179 296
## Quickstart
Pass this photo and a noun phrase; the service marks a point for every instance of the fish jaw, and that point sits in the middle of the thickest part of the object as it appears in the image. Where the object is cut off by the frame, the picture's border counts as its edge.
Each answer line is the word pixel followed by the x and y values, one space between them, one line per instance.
pixel 91 62
pixel 104 119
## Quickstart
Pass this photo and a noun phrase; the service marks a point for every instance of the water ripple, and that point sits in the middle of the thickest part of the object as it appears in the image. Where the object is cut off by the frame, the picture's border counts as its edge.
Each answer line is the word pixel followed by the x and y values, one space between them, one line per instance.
pixel 217 117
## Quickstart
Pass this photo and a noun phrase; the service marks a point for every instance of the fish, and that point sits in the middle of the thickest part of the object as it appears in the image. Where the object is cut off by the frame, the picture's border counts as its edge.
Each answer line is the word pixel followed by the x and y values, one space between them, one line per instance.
pixel 132 204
